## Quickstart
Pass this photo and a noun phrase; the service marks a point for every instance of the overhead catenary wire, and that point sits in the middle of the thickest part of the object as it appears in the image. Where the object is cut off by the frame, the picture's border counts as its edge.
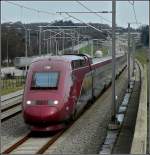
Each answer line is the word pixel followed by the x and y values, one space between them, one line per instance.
pixel 35 10
pixel 31 9
pixel 135 15
pixel 133 7
pixel 93 11
pixel 132 3
pixel 83 22
pixel 61 30
pixel 49 13
pixel 70 16
pixel 99 30
pixel 96 13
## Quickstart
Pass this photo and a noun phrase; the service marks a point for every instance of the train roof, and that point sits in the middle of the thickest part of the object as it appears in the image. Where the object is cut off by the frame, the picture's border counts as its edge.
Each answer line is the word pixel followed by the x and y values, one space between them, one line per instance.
pixel 67 58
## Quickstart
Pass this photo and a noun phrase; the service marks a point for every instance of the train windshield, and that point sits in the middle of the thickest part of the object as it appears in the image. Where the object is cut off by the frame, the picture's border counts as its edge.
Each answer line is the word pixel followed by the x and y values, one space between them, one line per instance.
pixel 45 80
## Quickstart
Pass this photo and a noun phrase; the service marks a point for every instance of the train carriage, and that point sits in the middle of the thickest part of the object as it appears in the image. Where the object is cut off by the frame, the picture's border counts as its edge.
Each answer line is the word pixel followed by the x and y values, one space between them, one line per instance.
pixel 59 87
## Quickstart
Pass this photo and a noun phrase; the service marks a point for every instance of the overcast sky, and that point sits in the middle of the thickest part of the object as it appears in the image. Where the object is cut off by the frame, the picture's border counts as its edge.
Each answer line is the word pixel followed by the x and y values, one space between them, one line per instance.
pixel 125 12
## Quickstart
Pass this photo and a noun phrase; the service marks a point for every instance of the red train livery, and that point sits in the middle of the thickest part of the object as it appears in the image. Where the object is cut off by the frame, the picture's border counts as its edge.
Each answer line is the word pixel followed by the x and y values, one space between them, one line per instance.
pixel 58 88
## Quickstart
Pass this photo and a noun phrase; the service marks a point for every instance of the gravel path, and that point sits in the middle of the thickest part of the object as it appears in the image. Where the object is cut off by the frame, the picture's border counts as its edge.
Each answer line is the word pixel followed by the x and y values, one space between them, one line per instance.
pixel 12 130
pixel 88 132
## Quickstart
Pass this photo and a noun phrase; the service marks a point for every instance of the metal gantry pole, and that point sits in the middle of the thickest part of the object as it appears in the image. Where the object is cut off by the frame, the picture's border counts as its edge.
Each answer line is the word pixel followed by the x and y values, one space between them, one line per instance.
pixel 50 42
pixel 7 46
pixel 26 48
pixel 128 55
pixel 37 39
pixel 72 44
pixel 7 51
pixel 40 40
pixel 133 55
pixel 148 67
pixel 44 41
pixel 50 48
pixel 29 43
pixel 47 45
pixel 113 118
pixel 78 44
pixel 56 47
pixel 63 42
pixel 92 50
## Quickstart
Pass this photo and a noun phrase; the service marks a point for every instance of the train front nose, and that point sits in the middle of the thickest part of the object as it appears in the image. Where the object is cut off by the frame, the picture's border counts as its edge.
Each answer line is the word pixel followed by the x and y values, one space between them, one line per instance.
pixel 41 114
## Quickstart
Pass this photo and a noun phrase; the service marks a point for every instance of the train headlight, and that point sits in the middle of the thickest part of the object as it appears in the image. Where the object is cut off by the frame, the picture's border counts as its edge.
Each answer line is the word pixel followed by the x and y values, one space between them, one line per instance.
pixel 28 102
pixel 55 102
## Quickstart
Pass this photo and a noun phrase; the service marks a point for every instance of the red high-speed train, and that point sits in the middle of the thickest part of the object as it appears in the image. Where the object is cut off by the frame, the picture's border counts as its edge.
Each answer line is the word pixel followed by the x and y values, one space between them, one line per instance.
pixel 59 87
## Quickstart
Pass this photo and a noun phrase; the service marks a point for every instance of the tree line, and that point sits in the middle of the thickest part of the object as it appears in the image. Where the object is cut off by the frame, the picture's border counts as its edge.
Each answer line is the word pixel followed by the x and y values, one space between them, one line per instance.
pixel 13 37
pixel 145 35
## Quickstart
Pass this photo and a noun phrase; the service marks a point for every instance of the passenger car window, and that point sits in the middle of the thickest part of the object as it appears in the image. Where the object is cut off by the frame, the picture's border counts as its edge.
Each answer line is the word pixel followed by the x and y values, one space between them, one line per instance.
pixel 78 63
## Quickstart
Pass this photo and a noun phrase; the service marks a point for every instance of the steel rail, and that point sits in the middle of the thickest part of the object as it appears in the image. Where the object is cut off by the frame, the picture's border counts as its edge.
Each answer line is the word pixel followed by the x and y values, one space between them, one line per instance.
pixel 27 137
pixel 17 144
pixel 3 100
pixel 49 143
pixel 10 107
pixel 11 111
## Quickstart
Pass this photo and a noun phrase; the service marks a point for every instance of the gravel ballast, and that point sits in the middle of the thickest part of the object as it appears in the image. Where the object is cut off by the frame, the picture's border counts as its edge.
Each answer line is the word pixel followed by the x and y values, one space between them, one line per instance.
pixel 12 130
pixel 87 134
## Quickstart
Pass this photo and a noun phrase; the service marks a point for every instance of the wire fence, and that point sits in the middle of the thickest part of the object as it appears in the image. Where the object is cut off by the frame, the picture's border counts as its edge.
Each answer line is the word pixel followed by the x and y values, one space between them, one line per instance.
pixel 12 82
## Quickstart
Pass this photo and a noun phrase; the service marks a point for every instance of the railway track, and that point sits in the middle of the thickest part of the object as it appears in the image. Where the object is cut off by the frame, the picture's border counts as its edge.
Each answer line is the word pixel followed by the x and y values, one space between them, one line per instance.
pixel 31 144
pixel 10 106
pixel 38 143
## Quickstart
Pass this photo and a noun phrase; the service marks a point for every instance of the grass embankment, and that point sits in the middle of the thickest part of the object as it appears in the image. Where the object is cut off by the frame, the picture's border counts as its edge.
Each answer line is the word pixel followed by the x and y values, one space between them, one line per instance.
pixel 5 65
pixel 87 50
pixel 10 90
pixel 142 55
